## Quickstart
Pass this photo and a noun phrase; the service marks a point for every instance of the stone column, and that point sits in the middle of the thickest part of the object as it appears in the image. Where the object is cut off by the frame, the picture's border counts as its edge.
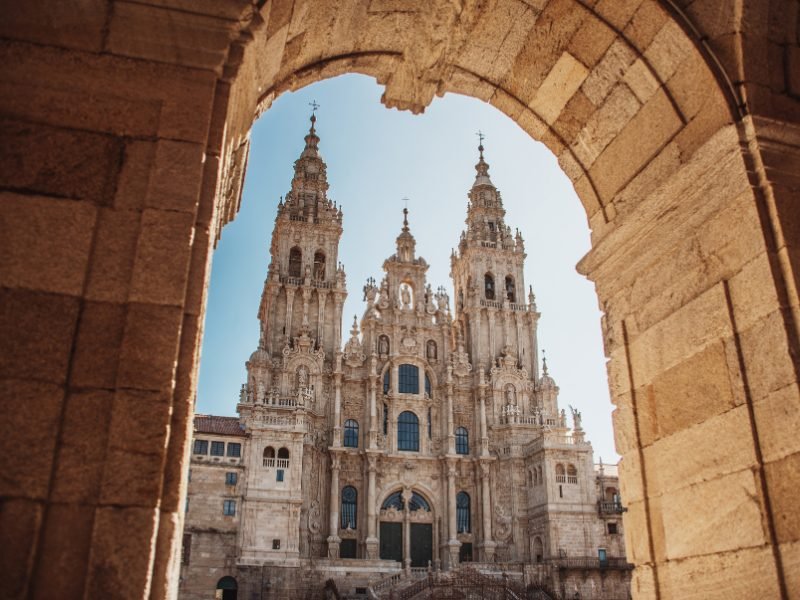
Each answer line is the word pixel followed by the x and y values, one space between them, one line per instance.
pixel 490 313
pixel 337 402
pixel 406 529
pixel 451 439
pixel 372 539
pixel 487 545
pixel 452 543
pixel 333 528
pixel 373 412
pixel 482 409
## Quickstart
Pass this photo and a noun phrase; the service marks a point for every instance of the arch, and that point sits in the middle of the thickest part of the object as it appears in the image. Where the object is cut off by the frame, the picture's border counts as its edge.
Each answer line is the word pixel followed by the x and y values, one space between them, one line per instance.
pixel 351 433
pixel 319 265
pixel 463 516
pixel 269 452
pixel 349 509
pixel 408 431
pixel 698 37
pixel 462 441
pixel 283 453
pixel 227 589
pixel 488 286
pixel 295 262
pixel 538 549
pixel 510 289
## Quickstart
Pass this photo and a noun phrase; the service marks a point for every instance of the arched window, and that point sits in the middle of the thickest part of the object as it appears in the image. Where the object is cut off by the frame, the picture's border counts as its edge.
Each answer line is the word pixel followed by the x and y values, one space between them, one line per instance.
pixel 283 453
pixel 295 262
pixel 462 441
pixel 538 549
pixel 408 432
pixel 511 292
pixel 393 501
pixel 488 286
pixel 560 475
pixel 572 474
pixel 351 433
pixel 418 503
pixel 269 456
pixel 408 379
pixel 387 381
pixel 349 507
pixel 319 265
pixel 462 512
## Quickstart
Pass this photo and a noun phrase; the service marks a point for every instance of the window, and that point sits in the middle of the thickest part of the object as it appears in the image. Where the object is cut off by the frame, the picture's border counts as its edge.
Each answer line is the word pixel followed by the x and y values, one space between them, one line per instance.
pixel 462 512
pixel 349 507
pixel 572 474
pixel 234 449
pixel 462 441
pixel 418 503
pixel 279 475
pixel 408 432
pixel 319 265
pixel 351 433
pixel 394 501
pixel 217 448
pixel 511 292
pixel 283 453
pixel 409 379
pixel 612 528
pixel 387 382
pixel 560 476
pixel 276 544
pixel 186 548
pixel 269 456
pixel 488 286
pixel 229 508
pixel 295 262
pixel 201 447
pixel 231 478
pixel 385 419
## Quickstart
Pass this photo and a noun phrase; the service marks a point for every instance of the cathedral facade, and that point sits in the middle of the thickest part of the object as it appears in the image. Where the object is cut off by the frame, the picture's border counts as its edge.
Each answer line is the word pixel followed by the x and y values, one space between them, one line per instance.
pixel 430 439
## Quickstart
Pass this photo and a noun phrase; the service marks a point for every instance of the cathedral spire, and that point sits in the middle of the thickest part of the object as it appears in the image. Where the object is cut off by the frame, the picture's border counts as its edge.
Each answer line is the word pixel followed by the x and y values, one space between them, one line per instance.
pixel 482 168
pixel 406 244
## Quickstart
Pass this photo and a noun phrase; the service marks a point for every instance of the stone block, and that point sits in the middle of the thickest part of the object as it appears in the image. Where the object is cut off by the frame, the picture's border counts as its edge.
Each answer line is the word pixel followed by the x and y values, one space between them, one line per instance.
pixel 721 445
pixel 605 75
pixel 38 333
pixel 637 541
pixel 162 257
pixel 767 358
pixel 783 478
pixel 149 347
pixel 693 391
pixel 99 337
pixel 44 243
pixel 591 41
pixel 617 12
pixel 31 422
pixel 64 551
pixel 82 452
pixel 753 292
pixel 140 421
pixel 573 117
pixel 736 521
pixel 682 334
pixel 134 178
pixel 648 132
pixel 741 573
pixel 61 24
pixel 171 36
pixel 174 181
pixel 777 419
pixel 604 125
pixel 563 80
pixel 790 557
pixel 669 48
pixel 121 552
pixel 38 159
pixel 20 521
pixel 631 483
pixel 113 255
pixel 132 478
pixel 640 79
pixel 646 22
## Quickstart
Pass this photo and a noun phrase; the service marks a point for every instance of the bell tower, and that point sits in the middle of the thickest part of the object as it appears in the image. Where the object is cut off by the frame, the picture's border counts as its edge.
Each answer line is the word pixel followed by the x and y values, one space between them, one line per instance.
pixel 487 272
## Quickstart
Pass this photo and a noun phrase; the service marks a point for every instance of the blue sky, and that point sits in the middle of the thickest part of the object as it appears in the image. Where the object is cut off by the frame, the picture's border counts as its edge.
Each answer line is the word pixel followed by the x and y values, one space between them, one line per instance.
pixel 375 158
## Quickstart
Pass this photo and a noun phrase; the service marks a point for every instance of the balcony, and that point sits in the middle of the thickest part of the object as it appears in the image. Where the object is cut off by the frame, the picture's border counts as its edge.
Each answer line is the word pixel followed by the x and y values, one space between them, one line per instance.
pixel 610 508
pixel 590 562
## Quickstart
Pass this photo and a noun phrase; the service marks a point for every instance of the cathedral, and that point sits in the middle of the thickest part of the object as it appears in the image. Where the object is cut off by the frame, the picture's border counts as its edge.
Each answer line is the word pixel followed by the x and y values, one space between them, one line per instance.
pixel 427 440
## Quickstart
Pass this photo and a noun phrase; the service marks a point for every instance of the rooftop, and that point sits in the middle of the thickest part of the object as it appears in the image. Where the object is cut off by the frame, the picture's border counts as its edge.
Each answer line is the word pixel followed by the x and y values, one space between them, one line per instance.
pixel 218 425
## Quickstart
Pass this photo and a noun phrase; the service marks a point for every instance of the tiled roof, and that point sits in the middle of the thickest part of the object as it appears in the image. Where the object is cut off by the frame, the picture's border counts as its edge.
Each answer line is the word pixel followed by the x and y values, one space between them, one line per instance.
pixel 218 425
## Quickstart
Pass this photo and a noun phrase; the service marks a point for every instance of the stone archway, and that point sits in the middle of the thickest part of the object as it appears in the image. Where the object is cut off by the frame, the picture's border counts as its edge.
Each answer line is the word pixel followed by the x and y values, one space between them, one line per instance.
pixel 124 147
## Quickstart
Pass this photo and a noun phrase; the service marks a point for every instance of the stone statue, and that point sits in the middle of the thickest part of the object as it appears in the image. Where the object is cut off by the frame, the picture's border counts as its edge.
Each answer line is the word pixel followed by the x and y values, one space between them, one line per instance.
pixel 405 296
pixel 563 418
pixel 576 418
pixel 511 394
pixel 431 351
pixel 383 345
pixel 302 377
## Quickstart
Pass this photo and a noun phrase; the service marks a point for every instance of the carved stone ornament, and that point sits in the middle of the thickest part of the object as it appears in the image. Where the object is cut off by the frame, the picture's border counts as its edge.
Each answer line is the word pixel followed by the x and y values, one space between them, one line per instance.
pixel 502 524
pixel 314 524
pixel 353 351
pixel 391 514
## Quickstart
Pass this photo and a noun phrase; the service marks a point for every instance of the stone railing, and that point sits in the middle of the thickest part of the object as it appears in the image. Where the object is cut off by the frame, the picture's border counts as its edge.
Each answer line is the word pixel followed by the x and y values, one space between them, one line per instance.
pixel 610 508
pixel 589 562
pixel 492 303
pixel 280 463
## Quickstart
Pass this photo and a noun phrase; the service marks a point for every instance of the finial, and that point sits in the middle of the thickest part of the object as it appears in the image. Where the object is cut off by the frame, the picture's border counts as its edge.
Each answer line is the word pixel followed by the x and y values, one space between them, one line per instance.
pixel 354 330
pixel 405 215
pixel 544 363
pixel 481 136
